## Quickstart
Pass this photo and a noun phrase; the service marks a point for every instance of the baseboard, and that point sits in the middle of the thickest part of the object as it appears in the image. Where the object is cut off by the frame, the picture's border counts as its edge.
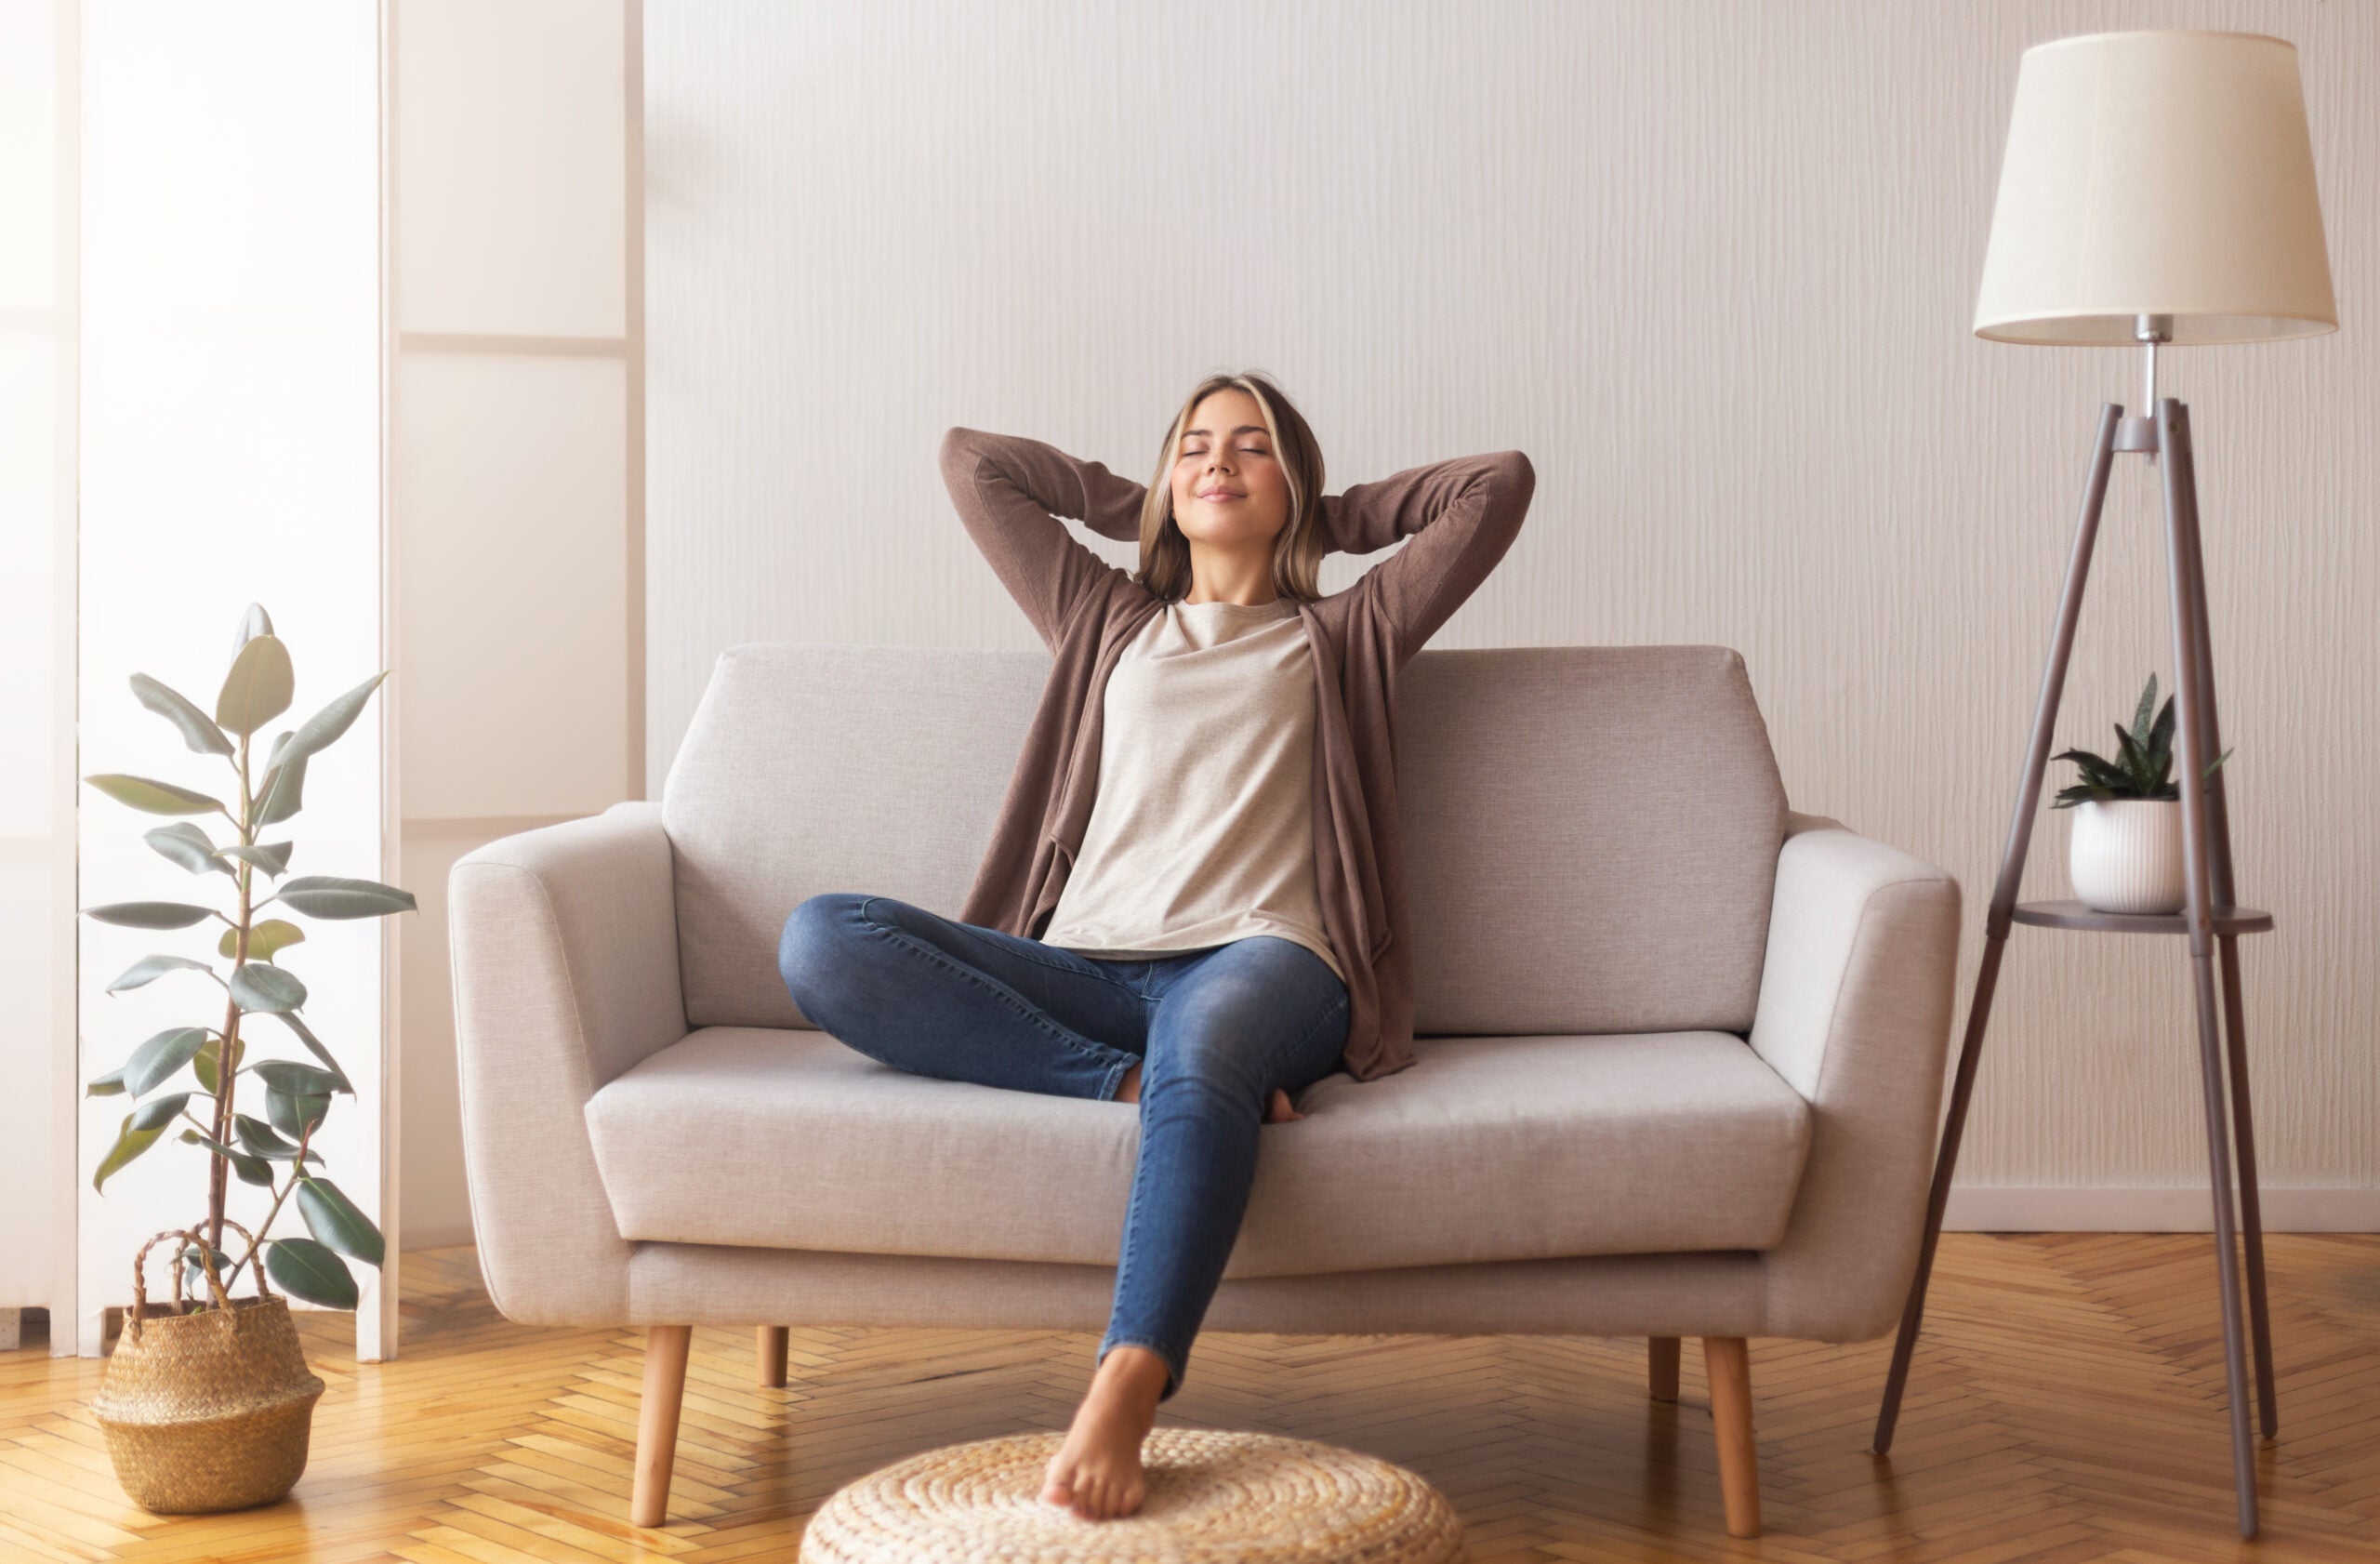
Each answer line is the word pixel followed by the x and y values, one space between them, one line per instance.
pixel 2068 1209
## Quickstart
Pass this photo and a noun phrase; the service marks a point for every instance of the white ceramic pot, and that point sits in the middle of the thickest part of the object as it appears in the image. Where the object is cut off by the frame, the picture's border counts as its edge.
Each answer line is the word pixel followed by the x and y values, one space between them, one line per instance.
pixel 2126 854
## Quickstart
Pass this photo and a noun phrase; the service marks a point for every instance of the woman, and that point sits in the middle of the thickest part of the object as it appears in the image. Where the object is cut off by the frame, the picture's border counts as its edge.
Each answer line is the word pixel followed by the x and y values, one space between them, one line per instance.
pixel 1194 897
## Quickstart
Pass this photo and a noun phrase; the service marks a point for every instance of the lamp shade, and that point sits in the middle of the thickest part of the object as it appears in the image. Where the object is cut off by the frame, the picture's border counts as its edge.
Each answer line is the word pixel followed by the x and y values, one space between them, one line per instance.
pixel 2157 173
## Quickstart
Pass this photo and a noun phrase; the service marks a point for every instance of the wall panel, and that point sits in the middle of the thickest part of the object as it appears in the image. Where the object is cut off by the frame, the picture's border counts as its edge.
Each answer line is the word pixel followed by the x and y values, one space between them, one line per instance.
pixel 514 435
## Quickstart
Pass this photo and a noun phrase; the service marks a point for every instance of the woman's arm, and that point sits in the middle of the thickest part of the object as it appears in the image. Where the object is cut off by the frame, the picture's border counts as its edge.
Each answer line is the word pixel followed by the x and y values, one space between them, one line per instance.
pixel 1010 490
pixel 1461 514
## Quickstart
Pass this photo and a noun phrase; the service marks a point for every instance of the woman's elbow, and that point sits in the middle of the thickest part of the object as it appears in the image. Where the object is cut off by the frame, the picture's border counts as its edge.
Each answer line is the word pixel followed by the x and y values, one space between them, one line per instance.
pixel 961 455
pixel 1513 478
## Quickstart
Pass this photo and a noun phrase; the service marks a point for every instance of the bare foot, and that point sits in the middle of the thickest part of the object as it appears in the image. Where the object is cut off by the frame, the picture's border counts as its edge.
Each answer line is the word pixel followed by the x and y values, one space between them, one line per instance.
pixel 1277 1111
pixel 1097 1472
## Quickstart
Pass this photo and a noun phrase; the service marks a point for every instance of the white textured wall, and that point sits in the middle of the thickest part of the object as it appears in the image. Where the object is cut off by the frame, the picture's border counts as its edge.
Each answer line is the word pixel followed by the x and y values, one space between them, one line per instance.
pixel 1713 267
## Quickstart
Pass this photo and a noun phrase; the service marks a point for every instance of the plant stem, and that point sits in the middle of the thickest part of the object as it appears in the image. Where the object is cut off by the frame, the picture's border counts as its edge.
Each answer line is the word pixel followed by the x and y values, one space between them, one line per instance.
pixel 255 1240
pixel 228 1050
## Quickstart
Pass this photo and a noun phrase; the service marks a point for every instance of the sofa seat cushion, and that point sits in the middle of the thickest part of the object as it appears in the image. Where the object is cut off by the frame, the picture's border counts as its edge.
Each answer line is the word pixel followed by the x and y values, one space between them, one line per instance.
pixel 1487 1148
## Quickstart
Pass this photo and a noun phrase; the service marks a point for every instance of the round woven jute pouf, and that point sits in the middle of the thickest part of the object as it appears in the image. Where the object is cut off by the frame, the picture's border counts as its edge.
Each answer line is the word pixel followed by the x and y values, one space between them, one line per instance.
pixel 1212 1498
pixel 210 1411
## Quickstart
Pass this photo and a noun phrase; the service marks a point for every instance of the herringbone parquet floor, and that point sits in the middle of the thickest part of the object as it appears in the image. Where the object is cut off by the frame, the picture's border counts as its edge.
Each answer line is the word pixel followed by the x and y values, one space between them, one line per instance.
pixel 2067 1405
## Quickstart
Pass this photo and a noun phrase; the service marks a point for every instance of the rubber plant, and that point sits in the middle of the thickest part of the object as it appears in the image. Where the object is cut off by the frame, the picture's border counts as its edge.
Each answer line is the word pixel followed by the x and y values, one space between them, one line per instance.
pixel 2144 758
pixel 297 1094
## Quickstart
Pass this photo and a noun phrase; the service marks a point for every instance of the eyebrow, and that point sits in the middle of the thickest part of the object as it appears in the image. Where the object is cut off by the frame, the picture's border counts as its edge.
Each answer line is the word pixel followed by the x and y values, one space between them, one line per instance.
pixel 1244 429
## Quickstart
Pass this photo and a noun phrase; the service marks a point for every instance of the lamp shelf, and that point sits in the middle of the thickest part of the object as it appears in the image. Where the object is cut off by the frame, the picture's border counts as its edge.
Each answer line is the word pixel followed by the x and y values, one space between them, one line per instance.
pixel 2074 915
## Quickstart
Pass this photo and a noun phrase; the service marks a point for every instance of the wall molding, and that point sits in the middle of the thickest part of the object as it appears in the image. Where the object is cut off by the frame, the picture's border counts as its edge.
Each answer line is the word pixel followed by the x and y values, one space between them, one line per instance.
pixel 515 344
pixel 487 826
pixel 632 53
pixel 2157 1209
pixel 65 1255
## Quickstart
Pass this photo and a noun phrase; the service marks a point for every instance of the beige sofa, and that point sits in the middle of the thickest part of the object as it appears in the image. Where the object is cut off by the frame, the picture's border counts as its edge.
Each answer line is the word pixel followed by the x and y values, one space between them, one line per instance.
pixel 1681 1049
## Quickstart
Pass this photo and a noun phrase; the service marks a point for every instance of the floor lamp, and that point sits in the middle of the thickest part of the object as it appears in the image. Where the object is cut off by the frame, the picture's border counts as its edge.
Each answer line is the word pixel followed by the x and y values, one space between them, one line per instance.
pixel 2158 187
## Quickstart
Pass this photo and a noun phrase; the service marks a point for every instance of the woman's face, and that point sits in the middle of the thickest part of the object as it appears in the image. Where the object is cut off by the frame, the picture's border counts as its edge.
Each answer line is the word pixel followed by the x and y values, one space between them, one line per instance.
pixel 1229 491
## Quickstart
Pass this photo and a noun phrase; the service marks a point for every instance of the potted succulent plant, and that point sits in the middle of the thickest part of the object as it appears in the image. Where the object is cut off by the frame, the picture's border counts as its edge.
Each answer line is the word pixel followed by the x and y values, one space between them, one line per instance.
pixel 207 1403
pixel 2126 851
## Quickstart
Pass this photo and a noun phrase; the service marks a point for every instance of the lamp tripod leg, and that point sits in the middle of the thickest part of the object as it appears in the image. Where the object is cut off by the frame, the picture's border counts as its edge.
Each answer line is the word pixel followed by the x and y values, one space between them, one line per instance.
pixel 2225 894
pixel 1997 919
pixel 1946 1161
pixel 2173 430
pixel 2252 1227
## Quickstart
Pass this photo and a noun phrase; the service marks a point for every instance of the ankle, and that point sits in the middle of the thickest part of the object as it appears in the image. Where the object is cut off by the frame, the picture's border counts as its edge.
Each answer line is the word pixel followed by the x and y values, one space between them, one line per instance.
pixel 1129 1089
pixel 1131 1373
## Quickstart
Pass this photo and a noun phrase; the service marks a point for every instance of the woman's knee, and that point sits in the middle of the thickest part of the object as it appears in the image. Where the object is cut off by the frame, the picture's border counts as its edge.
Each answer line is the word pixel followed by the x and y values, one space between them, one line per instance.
pixel 1241 1066
pixel 1224 1061
pixel 813 942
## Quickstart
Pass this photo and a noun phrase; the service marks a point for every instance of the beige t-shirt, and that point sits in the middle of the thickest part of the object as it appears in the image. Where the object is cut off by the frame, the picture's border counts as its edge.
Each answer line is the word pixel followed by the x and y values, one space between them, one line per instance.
pixel 1202 828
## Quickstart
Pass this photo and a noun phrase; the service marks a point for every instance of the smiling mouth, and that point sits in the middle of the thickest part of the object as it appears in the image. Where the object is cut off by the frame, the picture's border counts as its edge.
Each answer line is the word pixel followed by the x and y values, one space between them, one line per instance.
pixel 1220 494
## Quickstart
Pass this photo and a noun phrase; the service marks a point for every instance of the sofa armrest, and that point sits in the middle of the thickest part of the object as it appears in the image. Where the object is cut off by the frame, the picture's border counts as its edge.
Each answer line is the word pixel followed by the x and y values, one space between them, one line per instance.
pixel 1854 1013
pixel 564 946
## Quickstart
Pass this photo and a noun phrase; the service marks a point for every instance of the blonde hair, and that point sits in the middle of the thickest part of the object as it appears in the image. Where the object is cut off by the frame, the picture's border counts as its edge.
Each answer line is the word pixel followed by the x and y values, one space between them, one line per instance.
pixel 1298 548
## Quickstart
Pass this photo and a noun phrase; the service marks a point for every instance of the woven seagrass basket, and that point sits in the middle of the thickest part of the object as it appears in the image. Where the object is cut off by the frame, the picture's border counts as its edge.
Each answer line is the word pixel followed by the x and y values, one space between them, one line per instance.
pixel 209 1411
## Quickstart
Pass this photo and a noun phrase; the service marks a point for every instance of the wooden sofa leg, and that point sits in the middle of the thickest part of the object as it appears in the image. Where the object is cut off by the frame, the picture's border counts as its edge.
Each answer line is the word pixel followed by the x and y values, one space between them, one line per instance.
pixel 666 1349
pixel 1729 1366
pixel 1664 1367
pixel 769 1353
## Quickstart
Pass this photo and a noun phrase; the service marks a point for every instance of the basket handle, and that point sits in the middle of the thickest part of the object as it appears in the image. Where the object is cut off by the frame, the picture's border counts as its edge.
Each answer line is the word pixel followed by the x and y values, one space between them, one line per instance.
pixel 206 1261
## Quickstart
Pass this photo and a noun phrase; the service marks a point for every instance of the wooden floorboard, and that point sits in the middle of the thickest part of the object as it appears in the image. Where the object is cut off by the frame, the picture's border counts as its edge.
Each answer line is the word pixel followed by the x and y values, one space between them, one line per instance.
pixel 2067 1405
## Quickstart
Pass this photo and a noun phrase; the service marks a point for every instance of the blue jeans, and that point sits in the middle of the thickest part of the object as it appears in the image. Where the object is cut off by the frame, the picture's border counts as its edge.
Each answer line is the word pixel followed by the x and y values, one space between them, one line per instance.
pixel 1216 1029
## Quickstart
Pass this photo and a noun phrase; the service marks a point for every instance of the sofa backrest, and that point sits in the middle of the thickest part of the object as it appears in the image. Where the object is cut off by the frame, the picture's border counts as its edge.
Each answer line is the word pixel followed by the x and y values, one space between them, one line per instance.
pixel 1590 831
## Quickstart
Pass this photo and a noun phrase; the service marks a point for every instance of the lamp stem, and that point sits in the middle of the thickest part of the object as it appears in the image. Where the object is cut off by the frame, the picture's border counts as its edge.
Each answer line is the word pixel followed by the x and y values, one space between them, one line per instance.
pixel 2149 330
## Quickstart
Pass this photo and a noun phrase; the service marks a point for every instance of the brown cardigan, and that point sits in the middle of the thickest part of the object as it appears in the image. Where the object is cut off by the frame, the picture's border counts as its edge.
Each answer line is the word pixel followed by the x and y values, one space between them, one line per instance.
pixel 1462 515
